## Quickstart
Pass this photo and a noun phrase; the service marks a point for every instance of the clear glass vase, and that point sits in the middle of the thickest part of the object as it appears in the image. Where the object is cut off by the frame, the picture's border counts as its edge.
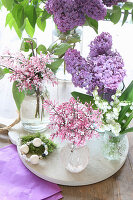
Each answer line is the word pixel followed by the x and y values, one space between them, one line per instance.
pixel 113 146
pixel 33 116
pixel 75 159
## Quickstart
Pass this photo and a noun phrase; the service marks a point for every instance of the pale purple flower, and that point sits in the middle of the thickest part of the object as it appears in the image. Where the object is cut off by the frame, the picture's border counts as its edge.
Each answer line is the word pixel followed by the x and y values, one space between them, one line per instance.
pixel 102 44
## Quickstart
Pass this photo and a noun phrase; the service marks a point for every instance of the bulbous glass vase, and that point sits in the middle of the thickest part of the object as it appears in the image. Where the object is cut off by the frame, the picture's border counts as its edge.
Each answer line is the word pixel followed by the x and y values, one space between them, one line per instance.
pixel 75 159
pixel 113 146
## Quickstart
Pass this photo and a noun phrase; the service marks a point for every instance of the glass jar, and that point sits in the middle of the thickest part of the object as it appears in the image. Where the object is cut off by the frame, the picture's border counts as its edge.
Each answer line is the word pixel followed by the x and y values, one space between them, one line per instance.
pixel 113 146
pixel 33 116
pixel 75 159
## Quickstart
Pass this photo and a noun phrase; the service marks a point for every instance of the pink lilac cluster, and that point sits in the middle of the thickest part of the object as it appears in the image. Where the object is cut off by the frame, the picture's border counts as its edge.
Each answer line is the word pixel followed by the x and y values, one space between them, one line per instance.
pixel 103 68
pixel 73 121
pixel 109 3
pixel 28 72
pixel 71 13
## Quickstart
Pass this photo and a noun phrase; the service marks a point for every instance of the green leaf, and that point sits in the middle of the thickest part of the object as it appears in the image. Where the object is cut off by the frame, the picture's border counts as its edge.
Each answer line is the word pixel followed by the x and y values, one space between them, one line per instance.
pixel 30 13
pixel 2 74
pixel 18 14
pixel 12 23
pixel 25 46
pixel 61 49
pixel 45 15
pixel 116 15
pixel 127 95
pixel 41 48
pixel 132 15
pixel 41 23
pixel 127 6
pixel 55 65
pixel 127 130
pixel 6 71
pixel 18 96
pixel 8 4
pixel 84 98
pixel 125 17
pixel 9 20
pixel 52 47
pixel 92 23
pixel 73 39
pixel 29 29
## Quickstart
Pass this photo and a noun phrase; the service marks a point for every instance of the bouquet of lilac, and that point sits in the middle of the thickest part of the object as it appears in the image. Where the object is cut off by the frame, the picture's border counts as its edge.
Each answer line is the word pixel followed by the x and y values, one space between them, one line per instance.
pixel 103 68
pixel 68 14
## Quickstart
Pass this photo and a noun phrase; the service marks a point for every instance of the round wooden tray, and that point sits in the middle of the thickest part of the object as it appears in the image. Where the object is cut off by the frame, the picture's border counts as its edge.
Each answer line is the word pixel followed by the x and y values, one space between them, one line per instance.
pixel 53 170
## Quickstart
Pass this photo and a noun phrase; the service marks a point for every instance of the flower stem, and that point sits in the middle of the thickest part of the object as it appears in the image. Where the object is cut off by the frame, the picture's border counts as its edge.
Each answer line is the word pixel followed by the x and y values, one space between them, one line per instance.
pixel 37 114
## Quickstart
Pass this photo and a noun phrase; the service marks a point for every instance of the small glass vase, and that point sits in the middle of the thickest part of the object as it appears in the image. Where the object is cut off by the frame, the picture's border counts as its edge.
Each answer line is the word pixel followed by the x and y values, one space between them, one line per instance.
pixel 75 159
pixel 113 146
pixel 33 116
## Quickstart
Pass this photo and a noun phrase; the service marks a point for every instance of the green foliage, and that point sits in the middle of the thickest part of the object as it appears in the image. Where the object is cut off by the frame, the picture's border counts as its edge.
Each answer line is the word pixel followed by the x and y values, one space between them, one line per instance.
pixel 8 4
pixel 41 23
pixel 127 95
pixel 125 17
pixel 116 14
pixel 25 46
pixel 84 98
pixel 18 96
pixel 129 130
pixel 41 48
pixel 30 13
pixel 2 74
pixel 92 23
pixel 55 65
pixel 18 15
pixel 61 48
pixel 127 6
pixel 29 29
pixel 25 14
pixel 38 150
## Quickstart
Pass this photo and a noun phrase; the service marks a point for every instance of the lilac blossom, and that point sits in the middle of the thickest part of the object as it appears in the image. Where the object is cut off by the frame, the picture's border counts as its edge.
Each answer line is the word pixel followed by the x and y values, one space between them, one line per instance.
pixel 109 3
pixel 102 44
pixel 71 13
pixel 28 72
pixel 104 71
pixel 73 121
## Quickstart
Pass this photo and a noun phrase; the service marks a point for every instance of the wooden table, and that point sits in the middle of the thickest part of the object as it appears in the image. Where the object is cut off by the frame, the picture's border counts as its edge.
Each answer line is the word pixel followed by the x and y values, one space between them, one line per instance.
pixel 117 187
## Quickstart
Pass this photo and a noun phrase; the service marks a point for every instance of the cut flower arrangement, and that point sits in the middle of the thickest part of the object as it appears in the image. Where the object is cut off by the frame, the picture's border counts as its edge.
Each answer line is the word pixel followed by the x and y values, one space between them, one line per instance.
pixel 29 75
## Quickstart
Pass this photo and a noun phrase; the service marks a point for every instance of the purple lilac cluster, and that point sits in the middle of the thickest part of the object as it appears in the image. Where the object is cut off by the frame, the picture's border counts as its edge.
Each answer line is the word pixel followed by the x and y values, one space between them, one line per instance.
pixel 102 44
pixel 71 13
pixel 104 70
pixel 109 3
pixel 78 67
pixel 107 72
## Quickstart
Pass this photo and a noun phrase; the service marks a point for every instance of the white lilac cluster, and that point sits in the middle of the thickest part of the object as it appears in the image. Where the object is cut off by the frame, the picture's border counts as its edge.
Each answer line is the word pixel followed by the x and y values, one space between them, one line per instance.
pixel 110 111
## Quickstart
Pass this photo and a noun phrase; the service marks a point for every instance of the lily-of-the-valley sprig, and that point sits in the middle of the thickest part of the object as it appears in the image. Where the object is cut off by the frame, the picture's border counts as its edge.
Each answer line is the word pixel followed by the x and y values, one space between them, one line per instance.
pixel 117 113
pixel 111 111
